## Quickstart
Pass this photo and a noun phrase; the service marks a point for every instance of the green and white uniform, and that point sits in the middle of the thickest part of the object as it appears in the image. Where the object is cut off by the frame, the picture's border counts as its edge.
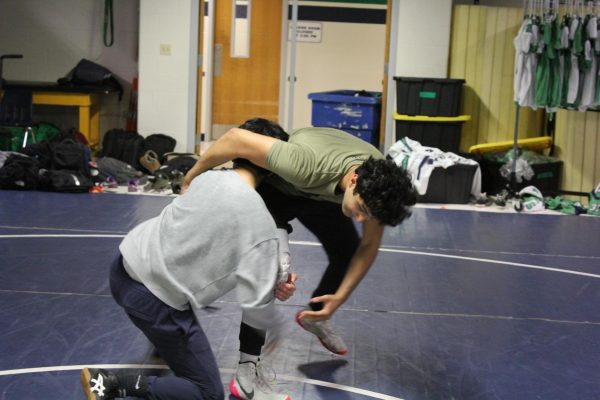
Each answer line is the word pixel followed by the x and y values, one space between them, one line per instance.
pixel 594 205
pixel 577 48
pixel 589 64
pixel 547 80
pixel 526 46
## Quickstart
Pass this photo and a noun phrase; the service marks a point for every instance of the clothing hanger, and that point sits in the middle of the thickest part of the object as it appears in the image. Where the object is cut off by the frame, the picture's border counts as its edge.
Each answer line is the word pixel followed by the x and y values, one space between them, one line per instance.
pixel 541 10
pixel 556 7
pixel 570 7
pixel 527 8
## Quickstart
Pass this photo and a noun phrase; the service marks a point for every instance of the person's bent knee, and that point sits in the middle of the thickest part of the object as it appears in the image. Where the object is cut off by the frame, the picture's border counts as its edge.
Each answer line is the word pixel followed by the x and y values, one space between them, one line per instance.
pixel 218 393
pixel 212 391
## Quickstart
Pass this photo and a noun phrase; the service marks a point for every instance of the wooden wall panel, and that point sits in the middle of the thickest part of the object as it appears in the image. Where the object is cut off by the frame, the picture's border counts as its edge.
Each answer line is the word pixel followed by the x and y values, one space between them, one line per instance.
pixel 572 162
pixel 507 109
pixel 487 69
pixel 590 140
pixel 578 145
pixel 464 46
pixel 482 41
pixel 500 39
pixel 482 53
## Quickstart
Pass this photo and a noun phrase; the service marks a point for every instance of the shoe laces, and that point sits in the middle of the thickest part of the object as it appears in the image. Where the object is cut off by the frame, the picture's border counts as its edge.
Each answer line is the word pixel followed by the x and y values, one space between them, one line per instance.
pixel 265 377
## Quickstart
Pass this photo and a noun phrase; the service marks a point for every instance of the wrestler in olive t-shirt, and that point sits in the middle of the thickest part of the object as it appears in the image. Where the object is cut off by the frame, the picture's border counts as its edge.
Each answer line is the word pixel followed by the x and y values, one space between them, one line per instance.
pixel 314 160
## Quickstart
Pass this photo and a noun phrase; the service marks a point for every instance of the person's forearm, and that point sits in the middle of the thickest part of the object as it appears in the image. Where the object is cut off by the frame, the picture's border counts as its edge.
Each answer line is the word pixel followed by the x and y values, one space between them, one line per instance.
pixel 223 150
pixel 236 143
pixel 359 266
pixel 362 260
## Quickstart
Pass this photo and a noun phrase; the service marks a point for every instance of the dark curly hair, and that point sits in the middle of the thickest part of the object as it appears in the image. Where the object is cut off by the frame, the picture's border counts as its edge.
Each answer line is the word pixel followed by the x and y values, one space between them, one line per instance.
pixel 264 127
pixel 386 190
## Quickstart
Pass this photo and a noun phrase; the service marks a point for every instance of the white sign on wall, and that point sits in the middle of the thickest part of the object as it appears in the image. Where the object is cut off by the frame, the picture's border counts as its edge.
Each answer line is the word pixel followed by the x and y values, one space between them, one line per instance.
pixel 307 31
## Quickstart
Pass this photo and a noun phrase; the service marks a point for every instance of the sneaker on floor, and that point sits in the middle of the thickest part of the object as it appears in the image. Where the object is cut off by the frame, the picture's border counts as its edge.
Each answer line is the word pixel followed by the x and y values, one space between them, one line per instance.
pixel 132 186
pixel 99 384
pixel 249 383
pixel 326 334
pixel 482 201
pixel 594 203
pixel 110 184
pixel 177 178
pixel 96 189
pixel 500 201
pixel 161 182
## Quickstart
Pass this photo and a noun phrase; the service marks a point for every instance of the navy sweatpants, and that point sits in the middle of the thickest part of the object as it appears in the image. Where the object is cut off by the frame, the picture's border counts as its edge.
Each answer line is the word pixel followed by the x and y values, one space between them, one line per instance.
pixel 176 335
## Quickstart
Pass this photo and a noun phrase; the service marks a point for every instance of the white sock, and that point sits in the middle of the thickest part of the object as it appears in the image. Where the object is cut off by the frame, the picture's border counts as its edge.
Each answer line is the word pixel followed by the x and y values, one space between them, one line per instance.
pixel 245 357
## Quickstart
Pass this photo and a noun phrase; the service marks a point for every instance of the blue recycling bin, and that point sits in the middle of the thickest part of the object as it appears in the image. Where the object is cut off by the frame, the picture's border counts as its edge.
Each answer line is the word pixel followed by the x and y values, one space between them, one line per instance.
pixel 357 112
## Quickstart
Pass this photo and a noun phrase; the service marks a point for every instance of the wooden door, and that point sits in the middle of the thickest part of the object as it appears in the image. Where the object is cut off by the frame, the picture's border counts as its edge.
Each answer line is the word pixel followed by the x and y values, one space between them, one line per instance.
pixel 244 88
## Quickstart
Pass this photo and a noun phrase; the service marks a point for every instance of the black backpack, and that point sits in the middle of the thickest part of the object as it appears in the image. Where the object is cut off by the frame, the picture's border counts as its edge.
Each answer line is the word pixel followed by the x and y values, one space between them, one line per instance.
pixel 64 181
pixel 126 146
pixel 88 73
pixel 70 155
pixel 181 161
pixel 160 144
pixel 63 153
pixel 19 172
pixel 42 152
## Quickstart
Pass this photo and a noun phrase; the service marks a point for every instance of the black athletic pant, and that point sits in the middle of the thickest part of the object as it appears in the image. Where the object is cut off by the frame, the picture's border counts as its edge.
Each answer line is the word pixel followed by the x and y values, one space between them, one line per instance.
pixel 325 220
pixel 336 232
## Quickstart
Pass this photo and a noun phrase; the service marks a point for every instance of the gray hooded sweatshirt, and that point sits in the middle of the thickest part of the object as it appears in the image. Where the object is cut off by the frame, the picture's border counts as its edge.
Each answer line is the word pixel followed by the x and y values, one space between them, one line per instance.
pixel 216 237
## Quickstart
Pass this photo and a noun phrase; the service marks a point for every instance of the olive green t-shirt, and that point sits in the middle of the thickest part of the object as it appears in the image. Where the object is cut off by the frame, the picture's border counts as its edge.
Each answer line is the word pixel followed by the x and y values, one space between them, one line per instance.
pixel 314 160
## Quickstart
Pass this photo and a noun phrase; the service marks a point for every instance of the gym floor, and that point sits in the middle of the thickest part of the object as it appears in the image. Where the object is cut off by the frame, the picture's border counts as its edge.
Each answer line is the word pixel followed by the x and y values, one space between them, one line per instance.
pixel 459 305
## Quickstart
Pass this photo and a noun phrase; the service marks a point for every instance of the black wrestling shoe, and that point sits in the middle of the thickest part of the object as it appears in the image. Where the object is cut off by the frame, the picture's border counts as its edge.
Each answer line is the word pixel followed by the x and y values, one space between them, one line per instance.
pixel 99 384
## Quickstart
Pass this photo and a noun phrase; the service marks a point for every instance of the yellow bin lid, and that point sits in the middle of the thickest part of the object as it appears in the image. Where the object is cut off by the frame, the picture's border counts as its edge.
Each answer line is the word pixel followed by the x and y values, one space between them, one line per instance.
pixel 424 118
pixel 535 144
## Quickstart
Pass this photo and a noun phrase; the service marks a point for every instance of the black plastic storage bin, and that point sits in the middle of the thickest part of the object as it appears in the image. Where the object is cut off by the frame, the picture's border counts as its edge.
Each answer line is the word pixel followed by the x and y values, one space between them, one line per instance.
pixel 428 96
pixel 450 185
pixel 546 177
pixel 443 135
